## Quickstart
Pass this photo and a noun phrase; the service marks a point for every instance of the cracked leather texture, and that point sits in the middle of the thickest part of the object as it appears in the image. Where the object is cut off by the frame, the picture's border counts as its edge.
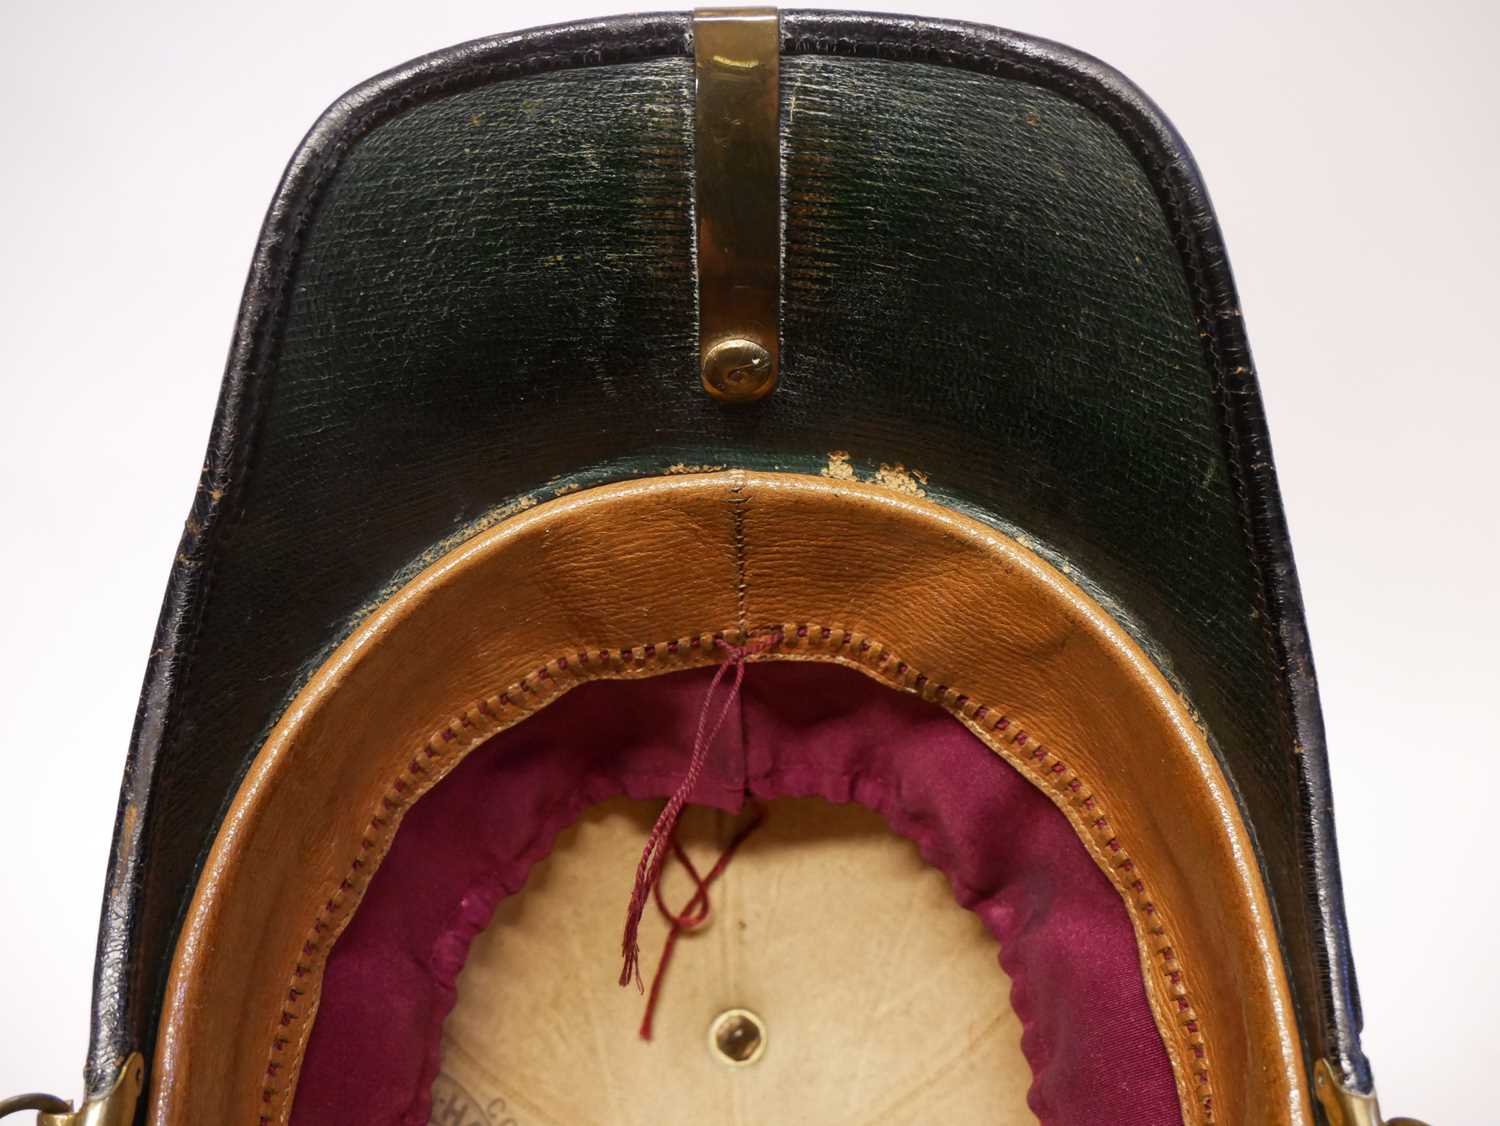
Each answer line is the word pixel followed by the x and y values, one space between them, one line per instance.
pixel 475 287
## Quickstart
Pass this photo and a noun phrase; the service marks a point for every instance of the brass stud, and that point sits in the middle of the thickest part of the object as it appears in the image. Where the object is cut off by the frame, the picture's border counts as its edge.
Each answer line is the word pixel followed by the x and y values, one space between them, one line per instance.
pixel 738 370
pixel 737 1037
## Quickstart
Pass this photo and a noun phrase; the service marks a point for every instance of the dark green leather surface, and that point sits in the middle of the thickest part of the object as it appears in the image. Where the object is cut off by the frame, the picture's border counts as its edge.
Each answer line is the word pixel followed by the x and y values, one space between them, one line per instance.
pixel 490 295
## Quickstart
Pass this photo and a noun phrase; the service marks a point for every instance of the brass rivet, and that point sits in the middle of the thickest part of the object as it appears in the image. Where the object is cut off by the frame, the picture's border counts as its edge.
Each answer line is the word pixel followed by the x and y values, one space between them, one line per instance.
pixel 738 370
pixel 737 1037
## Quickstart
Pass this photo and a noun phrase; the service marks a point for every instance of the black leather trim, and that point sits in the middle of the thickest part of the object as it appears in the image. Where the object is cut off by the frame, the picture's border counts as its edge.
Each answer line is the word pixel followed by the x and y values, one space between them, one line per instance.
pixel 136 937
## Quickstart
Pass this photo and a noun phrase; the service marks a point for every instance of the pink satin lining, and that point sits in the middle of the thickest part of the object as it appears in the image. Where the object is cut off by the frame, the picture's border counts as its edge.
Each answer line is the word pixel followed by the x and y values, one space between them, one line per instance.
pixel 802 730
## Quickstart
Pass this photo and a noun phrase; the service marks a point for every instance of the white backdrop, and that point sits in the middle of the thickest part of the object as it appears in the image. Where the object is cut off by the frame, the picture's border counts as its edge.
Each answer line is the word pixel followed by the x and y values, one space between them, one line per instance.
pixel 1352 151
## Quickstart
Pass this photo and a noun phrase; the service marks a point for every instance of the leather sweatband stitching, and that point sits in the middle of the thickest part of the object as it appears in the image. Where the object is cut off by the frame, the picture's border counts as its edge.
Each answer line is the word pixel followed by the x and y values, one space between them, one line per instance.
pixel 1170 998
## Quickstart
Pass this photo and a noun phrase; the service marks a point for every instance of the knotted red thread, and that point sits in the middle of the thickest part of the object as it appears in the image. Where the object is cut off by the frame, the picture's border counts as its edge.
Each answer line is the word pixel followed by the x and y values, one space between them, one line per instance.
pixel 648 872
pixel 695 912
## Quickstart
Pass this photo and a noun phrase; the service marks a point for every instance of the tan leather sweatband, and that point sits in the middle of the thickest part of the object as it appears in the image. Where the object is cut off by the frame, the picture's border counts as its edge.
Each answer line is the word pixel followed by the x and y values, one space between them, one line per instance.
pixel 633 580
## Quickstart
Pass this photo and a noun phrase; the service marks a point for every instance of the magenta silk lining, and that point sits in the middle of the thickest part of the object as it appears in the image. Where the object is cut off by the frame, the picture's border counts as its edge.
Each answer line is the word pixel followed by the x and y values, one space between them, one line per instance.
pixel 802 729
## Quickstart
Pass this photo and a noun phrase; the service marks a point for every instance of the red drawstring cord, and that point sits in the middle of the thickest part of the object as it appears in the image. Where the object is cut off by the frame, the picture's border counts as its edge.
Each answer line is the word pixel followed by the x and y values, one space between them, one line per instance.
pixel 648 872
pixel 695 912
